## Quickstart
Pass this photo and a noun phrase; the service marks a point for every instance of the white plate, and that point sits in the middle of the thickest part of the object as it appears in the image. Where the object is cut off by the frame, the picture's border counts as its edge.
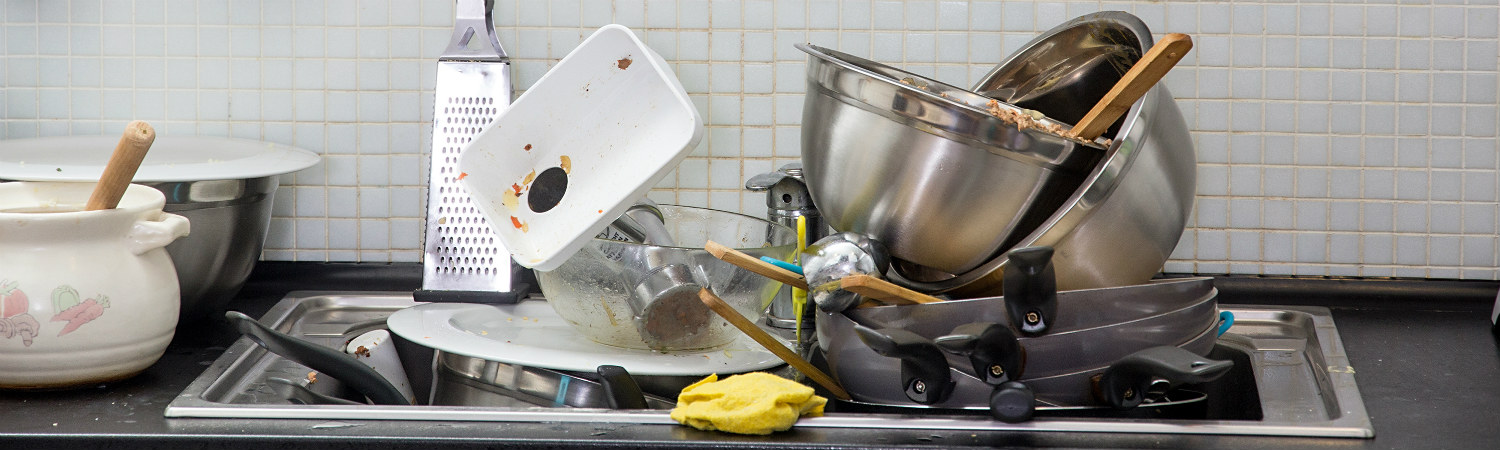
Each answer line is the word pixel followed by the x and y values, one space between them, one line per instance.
pixel 611 116
pixel 529 333
pixel 172 158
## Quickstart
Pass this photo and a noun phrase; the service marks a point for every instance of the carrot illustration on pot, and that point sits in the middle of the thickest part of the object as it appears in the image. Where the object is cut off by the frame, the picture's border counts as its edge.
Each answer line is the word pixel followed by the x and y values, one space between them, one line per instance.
pixel 75 312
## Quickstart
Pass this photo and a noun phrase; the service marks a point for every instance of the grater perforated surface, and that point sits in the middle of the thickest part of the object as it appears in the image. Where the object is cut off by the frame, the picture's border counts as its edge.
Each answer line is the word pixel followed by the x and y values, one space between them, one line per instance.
pixel 462 253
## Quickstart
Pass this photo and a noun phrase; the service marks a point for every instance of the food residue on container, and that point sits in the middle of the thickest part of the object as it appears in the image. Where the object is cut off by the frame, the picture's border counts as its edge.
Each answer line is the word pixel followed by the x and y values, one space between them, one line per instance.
pixel 567 164
pixel 623 63
pixel 529 177
pixel 519 224
pixel 362 351
pixel 510 200
pixel 462 175
pixel 527 147
pixel 1027 118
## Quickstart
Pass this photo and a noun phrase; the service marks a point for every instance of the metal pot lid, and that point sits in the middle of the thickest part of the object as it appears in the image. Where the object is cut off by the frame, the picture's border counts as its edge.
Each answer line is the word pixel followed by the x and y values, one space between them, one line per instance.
pixel 172 158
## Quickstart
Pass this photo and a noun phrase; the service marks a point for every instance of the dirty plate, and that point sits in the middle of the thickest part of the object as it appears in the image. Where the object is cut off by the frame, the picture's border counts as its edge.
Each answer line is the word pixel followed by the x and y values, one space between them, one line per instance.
pixel 531 334
pixel 591 136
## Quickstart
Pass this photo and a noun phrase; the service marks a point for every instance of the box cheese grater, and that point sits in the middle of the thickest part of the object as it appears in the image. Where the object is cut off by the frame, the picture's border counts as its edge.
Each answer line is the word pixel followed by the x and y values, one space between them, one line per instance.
pixel 463 260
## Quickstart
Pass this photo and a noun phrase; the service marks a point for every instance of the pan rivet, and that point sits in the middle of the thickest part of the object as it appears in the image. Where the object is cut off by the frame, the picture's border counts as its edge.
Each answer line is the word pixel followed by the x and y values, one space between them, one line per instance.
pixel 1129 393
pixel 919 387
pixel 996 370
pixel 1033 317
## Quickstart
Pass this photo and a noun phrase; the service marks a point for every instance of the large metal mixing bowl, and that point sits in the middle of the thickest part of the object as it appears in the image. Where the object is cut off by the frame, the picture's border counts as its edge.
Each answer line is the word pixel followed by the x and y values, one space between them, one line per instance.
pixel 230 219
pixel 925 167
pixel 1121 225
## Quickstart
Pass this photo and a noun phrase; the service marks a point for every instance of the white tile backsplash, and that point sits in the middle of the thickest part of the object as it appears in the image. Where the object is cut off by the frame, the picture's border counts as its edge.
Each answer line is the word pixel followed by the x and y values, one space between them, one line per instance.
pixel 1344 138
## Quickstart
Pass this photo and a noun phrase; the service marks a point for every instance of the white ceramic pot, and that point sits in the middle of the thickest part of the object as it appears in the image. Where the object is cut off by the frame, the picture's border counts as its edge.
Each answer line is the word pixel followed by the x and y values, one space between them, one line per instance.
pixel 85 296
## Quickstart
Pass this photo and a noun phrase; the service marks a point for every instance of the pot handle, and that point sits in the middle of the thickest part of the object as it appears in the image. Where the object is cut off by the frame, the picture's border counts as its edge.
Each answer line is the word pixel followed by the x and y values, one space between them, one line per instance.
pixel 148 235
pixel 1031 289
pixel 924 370
pixel 1125 383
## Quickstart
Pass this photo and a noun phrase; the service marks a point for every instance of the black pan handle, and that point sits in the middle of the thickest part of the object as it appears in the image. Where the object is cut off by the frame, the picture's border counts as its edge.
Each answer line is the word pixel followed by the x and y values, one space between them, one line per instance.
pixel 1124 384
pixel 924 370
pixel 995 354
pixel 622 390
pixel 1030 289
pixel 328 361
pixel 1012 402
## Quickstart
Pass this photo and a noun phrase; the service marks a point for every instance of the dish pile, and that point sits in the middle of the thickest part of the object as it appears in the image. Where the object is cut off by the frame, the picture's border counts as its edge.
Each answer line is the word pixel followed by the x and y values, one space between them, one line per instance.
pixel 950 180
pixel 556 176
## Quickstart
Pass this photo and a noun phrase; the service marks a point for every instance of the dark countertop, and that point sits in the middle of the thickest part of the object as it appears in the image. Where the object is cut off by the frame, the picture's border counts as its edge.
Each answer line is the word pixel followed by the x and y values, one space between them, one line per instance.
pixel 1428 370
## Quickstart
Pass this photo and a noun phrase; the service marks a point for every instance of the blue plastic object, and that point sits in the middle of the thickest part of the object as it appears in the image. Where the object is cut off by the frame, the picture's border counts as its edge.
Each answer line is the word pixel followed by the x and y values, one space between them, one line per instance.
pixel 1226 320
pixel 783 264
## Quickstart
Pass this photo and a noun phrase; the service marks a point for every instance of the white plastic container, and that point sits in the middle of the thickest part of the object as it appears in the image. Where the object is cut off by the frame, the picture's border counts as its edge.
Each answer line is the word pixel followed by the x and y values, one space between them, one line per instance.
pixel 570 155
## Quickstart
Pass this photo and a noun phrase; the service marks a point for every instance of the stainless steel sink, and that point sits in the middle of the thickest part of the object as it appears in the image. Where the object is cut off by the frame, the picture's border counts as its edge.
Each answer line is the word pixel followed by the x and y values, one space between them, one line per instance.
pixel 1292 378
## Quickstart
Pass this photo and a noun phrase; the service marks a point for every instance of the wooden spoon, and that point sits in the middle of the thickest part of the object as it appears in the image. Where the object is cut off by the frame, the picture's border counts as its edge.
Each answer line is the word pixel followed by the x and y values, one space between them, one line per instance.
pixel 122 166
pixel 770 343
pixel 868 286
pixel 1141 77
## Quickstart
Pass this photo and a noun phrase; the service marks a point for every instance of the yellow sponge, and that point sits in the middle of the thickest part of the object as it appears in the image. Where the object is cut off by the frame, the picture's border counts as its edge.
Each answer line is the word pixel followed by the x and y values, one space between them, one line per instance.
pixel 751 403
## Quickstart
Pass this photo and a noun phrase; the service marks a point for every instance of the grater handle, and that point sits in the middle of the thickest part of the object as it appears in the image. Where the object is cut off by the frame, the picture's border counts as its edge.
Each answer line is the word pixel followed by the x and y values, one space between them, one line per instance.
pixel 472 20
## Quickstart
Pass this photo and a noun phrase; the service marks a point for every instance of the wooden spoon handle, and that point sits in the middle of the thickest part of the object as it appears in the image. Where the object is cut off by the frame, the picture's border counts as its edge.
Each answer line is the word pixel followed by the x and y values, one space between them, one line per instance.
pixel 754 264
pixel 122 166
pixel 882 290
pixel 1141 77
pixel 770 343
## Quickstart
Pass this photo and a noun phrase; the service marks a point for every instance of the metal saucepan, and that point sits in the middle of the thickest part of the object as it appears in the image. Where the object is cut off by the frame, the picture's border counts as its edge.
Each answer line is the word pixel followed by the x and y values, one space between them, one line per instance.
pixel 1124 220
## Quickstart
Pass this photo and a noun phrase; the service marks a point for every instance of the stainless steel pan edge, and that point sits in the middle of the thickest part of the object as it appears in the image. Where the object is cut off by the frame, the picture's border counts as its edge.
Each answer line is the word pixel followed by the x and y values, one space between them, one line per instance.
pixel 1101 326
pixel 877 380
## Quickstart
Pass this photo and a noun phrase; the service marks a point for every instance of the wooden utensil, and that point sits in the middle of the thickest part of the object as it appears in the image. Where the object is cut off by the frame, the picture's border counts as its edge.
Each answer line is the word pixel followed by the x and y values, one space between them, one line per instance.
pixel 865 285
pixel 882 290
pixel 754 264
pixel 1141 77
pixel 770 343
pixel 122 165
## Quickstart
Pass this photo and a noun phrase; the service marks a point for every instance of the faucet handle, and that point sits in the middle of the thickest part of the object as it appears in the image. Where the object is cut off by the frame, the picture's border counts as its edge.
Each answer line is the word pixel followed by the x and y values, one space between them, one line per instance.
pixel 766 181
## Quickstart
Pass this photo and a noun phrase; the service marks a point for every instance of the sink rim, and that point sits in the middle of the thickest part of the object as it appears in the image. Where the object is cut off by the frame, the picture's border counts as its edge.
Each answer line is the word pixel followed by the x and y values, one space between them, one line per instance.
pixel 1336 376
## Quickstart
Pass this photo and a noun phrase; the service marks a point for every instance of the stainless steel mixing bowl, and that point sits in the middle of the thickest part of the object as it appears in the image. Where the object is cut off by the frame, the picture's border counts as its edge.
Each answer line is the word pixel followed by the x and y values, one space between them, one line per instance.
pixel 230 220
pixel 925 167
pixel 1119 227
